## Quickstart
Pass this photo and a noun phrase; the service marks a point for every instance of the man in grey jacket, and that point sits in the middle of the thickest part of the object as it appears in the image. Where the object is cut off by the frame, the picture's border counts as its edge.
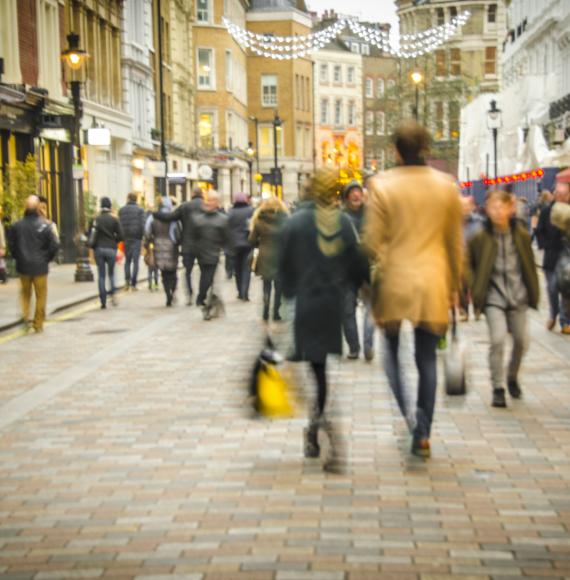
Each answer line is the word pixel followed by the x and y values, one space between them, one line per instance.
pixel 212 236
pixel 132 220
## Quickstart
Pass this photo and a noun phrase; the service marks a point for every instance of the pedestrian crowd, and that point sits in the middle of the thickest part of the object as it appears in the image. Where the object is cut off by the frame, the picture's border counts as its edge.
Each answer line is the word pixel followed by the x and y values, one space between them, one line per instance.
pixel 404 244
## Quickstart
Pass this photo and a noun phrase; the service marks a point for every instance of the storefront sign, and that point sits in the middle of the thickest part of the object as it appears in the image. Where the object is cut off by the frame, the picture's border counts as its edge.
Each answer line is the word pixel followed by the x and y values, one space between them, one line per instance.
pixel 53 134
pixel 98 136
pixel 78 171
pixel 157 168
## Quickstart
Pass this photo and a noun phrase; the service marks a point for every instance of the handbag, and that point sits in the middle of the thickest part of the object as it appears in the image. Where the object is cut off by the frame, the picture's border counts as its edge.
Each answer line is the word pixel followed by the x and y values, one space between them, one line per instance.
pixel 92 238
pixel 454 363
pixel 253 260
pixel 563 273
pixel 149 258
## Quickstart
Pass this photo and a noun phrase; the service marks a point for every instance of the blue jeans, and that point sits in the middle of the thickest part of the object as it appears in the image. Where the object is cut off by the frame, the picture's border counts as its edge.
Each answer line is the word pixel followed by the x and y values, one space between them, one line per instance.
pixel 105 259
pixel 132 255
pixel 557 307
pixel 426 363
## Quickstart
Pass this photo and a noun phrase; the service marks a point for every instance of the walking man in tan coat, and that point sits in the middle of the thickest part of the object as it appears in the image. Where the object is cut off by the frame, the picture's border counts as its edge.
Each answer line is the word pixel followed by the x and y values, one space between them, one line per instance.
pixel 413 233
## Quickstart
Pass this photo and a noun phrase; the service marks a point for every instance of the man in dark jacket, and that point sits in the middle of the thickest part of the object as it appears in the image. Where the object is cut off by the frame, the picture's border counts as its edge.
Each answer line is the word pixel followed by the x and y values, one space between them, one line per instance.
pixel 108 233
pixel 504 284
pixel 239 218
pixel 550 239
pixel 211 237
pixel 354 208
pixel 186 214
pixel 33 245
pixel 132 220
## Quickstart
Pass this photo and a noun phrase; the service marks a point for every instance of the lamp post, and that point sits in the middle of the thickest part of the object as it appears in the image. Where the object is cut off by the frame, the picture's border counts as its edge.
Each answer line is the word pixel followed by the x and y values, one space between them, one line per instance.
pixel 417 78
pixel 250 154
pixel 494 123
pixel 74 58
pixel 276 171
pixel 256 121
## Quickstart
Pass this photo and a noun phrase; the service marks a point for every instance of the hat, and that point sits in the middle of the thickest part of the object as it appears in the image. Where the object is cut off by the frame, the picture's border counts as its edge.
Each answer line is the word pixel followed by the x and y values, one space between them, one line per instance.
pixel 324 188
pixel 106 203
pixel 354 184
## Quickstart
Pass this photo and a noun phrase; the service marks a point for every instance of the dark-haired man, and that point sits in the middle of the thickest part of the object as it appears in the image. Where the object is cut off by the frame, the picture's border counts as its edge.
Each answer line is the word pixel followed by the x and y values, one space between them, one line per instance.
pixel 132 218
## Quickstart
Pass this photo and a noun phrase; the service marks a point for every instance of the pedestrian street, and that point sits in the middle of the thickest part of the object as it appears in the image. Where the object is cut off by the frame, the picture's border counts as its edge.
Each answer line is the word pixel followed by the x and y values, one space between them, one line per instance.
pixel 126 451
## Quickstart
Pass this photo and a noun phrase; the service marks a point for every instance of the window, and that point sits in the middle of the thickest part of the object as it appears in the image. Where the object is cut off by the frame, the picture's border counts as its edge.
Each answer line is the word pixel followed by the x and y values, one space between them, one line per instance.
pixel 440 14
pixel 380 88
pixel 269 90
pixel 369 88
pixel 440 63
pixel 206 130
pixel 203 10
pixel 324 73
pixel 337 75
pixel 455 62
pixel 205 72
pixel 369 126
pixel 49 64
pixel 324 111
pixel 452 12
pixel 355 47
pixel 490 60
pixel 350 74
pixel 380 123
pixel 454 115
pixel 391 87
pixel 266 141
pixel 382 160
pixel 365 49
pixel 351 113
pixel 338 112
pixel 439 121
pixel 492 14
pixel 229 72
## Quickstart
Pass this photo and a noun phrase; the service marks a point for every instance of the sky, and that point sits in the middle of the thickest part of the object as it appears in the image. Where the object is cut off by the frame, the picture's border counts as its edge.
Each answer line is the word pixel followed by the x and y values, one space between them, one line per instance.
pixel 370 10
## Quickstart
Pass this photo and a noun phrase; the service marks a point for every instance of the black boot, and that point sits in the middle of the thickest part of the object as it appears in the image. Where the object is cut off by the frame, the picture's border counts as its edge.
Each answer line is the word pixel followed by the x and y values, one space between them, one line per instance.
pixel 514 388
pixel 266 312
pixel 336 461
pixel 499 398
pixel 312 449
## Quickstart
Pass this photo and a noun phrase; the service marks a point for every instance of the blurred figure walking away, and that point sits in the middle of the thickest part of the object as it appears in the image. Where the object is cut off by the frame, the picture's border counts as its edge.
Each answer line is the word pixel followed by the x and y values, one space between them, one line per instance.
pixel 186 214
pixel 132 218
pixel 239 218
pixel 504 285
pixel 354 208
pixel 107 235
pixel 266 225
pixel 165 239
pixel 3 273
pixel 472 223
pixel 319 256
pixel 413 233
pixel 550 239
pixel 212 236
pixel 33 246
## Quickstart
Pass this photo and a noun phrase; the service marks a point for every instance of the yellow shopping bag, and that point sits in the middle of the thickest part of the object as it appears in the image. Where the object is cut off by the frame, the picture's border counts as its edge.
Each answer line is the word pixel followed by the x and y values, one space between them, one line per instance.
pixel 274 398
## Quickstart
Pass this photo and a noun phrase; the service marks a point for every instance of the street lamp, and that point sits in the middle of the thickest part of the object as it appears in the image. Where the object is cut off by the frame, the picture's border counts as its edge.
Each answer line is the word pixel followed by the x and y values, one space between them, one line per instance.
pixel 276 171
pixel 256 121
pixel 417 77
pixel 250 154
pixel 494 123
pixel 74 59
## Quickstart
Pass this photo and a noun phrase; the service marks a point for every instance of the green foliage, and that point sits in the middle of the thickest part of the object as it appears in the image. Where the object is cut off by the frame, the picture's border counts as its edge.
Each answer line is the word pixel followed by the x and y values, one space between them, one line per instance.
pixel 90 206
pixel 21 181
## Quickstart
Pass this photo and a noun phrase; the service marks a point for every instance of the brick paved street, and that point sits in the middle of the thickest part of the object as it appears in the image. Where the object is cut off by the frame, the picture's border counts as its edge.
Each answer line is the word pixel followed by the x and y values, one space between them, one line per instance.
pixel 125 452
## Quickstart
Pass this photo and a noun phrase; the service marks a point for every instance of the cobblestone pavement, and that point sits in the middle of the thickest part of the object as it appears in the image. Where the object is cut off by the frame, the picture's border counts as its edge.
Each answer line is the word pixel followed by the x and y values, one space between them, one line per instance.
pixel 125 452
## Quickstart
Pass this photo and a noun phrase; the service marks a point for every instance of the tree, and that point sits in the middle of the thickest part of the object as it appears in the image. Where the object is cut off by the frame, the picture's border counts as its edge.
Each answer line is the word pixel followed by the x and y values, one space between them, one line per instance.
pixel 20 182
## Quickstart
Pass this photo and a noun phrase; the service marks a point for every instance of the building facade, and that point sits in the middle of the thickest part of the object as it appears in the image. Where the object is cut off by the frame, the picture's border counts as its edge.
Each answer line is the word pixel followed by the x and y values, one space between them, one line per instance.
pixel 35 117
pixel 284 88
pixel 221 98
pixel 338 107
pixel 454 74
pixel 138 91
pixel 534 98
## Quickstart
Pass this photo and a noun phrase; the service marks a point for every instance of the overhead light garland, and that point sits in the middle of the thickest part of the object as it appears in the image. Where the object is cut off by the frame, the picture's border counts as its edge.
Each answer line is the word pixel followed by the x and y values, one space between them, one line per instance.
pixel 292 47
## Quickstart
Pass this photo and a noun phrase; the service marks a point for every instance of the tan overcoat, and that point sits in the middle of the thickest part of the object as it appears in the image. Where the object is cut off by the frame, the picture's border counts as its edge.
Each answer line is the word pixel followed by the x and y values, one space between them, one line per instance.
pixel 413 234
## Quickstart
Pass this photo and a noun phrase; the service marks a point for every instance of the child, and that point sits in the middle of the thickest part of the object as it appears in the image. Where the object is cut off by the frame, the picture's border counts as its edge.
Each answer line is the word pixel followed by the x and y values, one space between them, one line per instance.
pixel 504 284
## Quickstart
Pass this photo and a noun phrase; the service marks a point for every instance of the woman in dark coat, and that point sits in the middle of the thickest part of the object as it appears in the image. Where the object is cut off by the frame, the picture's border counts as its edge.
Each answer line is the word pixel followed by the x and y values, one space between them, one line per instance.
pixel 239 217
pixel 165 238
pixel 319 256
pixel 266 226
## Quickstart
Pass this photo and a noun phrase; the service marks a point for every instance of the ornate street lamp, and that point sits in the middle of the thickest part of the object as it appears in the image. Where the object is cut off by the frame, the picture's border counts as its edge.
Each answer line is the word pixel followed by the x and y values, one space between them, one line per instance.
pixel 74 59
pixel 494 123
pixel 250 155
pixel 417 78
pixel 277 122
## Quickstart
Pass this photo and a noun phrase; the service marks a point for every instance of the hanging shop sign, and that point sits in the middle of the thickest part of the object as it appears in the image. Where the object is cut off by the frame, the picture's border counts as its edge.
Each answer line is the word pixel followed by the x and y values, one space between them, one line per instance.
pixel 98 136
pixel 157 168
pixel 205 172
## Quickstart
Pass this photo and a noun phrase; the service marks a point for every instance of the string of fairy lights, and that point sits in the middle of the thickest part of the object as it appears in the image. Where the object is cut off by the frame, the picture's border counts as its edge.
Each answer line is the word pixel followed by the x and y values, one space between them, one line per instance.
pixel 293 47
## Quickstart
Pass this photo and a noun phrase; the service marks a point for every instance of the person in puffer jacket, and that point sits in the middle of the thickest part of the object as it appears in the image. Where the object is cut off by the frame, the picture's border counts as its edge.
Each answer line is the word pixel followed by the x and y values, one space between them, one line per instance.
pixel 239 218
